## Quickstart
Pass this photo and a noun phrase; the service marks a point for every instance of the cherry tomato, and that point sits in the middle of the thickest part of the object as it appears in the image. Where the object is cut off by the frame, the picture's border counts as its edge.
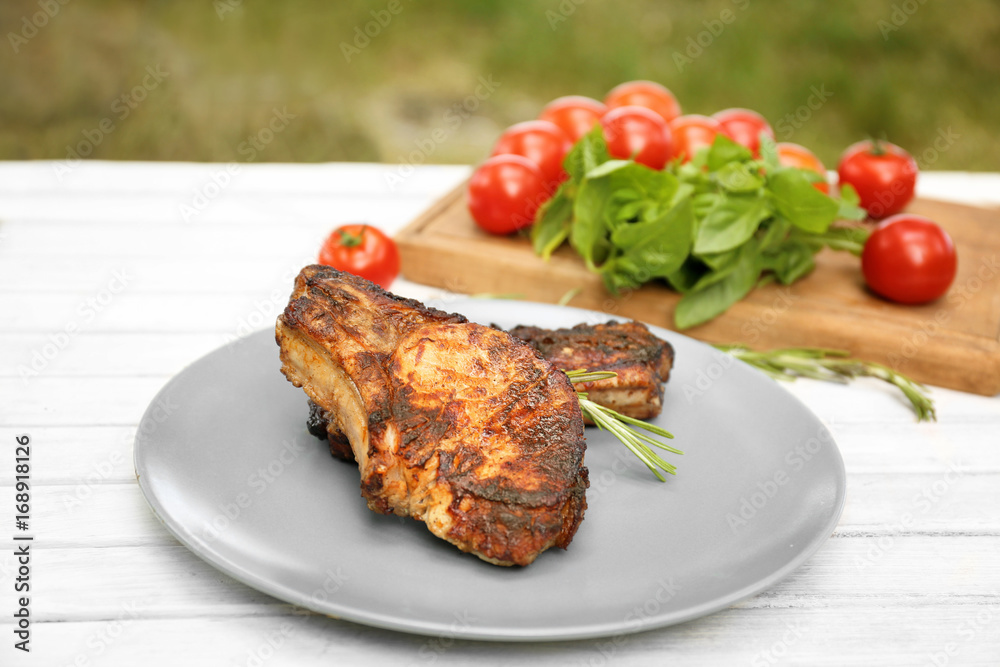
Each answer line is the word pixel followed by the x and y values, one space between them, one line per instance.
pixel 364 251
pixel 540 141
pixel 640 133
pixel 505 192
pixel 744 127
pixel 794 155
pixel 691 133
pixel 884 175
pixel 576 115
pixel 647 94
pixel 909 259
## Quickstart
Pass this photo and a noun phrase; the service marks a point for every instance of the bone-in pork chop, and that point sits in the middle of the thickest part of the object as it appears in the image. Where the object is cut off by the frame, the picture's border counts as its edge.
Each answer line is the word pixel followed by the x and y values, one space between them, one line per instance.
pixel 452 423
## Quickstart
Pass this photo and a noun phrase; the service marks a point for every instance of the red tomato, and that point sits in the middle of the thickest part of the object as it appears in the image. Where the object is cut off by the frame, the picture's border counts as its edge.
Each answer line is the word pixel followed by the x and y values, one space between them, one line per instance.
pixel 691 133
pixel 541 142
pixel 505 192
pixel 884 175
pixel 364 251
pixel 576 115
pixel 909 259
pixel 637 132
pixel 744 127
pixel 647 94
pixel 794 155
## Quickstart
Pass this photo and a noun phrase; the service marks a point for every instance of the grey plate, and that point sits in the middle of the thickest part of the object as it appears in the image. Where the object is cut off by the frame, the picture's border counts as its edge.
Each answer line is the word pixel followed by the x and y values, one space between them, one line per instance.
pixel 225 462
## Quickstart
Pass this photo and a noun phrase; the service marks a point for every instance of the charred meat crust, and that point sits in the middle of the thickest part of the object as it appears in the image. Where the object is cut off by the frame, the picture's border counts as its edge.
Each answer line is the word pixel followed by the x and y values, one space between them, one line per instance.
pixel 641 360
pixel 456 424
pixel 609 344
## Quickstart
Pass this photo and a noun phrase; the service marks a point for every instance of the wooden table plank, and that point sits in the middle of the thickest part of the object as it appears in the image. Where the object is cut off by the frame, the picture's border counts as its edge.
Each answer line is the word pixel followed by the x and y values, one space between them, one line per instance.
pixel 73 456
pixel 92 177
pixel 85 354
pixel 127 312
pixel 232 211
pixel 80 274
pixel 892 635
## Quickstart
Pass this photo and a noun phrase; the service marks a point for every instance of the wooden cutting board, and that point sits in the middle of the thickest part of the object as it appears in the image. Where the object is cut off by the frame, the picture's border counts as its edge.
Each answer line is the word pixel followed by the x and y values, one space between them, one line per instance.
pixel 953 342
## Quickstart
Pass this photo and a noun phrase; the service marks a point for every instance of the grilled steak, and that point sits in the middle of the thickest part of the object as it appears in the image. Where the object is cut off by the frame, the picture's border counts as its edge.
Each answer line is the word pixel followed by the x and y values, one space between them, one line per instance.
pixel 641 360
pixel 452 423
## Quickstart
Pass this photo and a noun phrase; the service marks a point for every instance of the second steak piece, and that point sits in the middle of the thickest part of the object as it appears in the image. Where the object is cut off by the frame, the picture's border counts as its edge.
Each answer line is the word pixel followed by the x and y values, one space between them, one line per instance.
pixel 641 360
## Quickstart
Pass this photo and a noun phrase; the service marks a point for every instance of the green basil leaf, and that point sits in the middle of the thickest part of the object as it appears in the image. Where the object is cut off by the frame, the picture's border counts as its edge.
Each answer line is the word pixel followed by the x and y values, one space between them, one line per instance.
pixel 769 153
pixel 611 196
pixel 631 210
pixel 641 182
pixel 715 275
pixel 700 159
pixel 687 276
pixel 609 167
pixel 618 279
pixel 701 305
pixel 848 239
pixel 719 260
pixel 724 150
pixel 705 202
pixel 849 194
pixel 795 198
pixel 849 211
pixel 693 175
pixel 775 231
pixel 638 192
pixel 796 266
pixel 738 177
pixel 790 261
pixel 552 223
pixel 684 190
pixel 586 154
pixel 590 224
pixel 730 223
pixel 657 248
pixel 765 279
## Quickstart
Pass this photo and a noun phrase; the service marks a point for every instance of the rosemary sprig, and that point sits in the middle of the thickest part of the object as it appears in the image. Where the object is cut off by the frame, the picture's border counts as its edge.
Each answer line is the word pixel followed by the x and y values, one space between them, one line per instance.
pixel 569 296
pixel 832 366
pixel 626 429
pixel 581 375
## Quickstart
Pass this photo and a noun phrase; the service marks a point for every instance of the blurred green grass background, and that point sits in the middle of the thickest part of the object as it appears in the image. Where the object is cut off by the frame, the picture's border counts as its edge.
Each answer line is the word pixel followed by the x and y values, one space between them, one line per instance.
pixel 910 71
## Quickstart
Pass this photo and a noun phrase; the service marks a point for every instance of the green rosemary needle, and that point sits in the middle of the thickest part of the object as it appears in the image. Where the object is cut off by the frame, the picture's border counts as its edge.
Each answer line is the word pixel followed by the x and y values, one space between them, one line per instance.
pixel 626 429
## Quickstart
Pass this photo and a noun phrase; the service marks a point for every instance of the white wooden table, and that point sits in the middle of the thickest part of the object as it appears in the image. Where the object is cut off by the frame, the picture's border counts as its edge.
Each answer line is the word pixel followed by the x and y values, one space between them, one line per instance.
pixel 114 276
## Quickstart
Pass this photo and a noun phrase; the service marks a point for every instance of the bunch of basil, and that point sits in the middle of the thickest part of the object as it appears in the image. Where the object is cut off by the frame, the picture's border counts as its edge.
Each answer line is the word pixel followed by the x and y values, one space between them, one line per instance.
pixel 712 228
